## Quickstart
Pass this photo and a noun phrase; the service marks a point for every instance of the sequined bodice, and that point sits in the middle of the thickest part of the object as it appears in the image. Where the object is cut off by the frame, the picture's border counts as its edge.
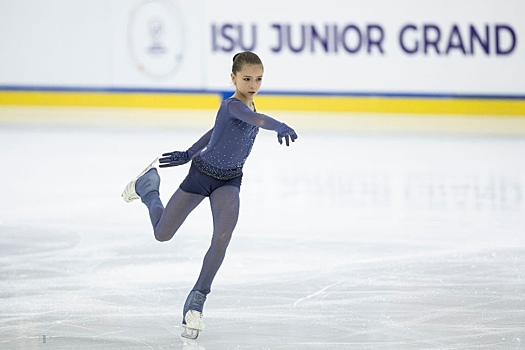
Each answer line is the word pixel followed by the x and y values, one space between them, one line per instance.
pixel 232 138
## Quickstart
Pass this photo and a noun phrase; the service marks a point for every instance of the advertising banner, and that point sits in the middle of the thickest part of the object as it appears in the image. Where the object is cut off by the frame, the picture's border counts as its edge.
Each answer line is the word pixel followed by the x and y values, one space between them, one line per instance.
pixel 375 47
pixel 385 47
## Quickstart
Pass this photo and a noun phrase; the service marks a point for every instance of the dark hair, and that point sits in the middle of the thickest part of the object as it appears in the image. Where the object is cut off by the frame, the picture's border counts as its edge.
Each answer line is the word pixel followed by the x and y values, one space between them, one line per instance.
pixel 242 58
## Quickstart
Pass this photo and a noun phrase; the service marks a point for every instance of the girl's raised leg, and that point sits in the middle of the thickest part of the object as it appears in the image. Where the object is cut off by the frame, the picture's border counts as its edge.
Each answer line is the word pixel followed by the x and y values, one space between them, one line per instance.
pixel 167 221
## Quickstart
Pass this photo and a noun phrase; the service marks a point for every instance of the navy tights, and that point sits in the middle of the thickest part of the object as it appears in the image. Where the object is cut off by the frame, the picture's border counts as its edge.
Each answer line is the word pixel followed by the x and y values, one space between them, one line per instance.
pixel 167 220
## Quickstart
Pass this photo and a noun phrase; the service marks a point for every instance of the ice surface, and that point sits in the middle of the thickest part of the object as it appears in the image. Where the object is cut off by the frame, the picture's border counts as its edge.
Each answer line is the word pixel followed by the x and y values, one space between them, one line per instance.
pixel 376 241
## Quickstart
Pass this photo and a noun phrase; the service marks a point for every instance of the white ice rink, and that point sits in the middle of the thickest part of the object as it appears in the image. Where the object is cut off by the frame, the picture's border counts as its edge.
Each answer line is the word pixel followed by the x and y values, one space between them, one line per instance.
pixel 353 238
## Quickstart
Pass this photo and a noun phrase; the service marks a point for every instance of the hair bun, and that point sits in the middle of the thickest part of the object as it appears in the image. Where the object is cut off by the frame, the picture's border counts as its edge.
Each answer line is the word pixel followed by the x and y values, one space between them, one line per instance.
pixel 242 58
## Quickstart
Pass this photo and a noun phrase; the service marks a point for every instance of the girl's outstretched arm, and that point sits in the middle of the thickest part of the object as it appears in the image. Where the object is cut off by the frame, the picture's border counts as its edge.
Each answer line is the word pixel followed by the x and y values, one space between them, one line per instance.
pixel 182 157
pixel 240 111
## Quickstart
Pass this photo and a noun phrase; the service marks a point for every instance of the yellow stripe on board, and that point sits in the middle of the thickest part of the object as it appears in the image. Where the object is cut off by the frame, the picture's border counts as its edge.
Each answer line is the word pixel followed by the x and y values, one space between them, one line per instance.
pixel 96 99
pixel 345 104
pixel 500 107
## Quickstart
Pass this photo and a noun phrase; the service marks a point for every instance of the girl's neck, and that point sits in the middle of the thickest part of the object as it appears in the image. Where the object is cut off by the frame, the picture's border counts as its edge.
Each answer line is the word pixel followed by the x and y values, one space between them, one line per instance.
pixel 243 99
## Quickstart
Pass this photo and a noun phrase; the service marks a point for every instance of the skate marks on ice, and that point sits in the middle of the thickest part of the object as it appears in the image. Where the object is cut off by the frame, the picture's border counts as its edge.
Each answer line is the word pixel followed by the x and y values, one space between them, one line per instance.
pixel 321 292
pixel 55 294
pixel 395 298
pixel 410 244
pixel 382 296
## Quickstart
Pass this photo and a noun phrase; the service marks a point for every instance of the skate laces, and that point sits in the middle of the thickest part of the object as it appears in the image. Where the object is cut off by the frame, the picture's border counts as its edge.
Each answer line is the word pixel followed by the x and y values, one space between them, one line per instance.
pixel 129 194
pixel 193 320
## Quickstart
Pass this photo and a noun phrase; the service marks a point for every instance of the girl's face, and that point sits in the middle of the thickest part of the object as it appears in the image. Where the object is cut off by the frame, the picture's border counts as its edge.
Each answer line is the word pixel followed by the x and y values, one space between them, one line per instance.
pixel 248 80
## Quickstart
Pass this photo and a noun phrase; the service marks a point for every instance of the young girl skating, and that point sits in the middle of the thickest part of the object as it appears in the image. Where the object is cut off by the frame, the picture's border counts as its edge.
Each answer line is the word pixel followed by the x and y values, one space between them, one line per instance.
pixel 217 160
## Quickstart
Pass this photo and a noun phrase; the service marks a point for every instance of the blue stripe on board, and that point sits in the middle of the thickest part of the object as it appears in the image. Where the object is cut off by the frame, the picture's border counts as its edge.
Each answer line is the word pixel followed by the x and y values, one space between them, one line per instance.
pixel 266 92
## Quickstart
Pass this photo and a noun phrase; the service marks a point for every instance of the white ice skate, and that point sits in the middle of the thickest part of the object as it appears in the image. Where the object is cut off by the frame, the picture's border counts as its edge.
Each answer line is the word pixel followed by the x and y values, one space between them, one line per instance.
pixel 194 324
pixel 129 194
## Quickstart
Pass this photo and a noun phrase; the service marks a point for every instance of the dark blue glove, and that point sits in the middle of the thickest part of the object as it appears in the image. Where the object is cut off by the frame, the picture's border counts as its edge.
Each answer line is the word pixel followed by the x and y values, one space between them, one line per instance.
pixel 286 132
pixel 174 158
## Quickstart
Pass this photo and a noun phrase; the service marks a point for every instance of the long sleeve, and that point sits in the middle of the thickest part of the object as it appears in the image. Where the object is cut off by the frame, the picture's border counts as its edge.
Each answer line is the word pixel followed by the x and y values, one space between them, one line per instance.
pixel 200 144
pixel 240 111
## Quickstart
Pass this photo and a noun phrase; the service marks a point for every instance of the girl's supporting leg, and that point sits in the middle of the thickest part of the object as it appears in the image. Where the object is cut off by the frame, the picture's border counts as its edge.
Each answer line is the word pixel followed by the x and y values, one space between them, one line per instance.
pixel 225 210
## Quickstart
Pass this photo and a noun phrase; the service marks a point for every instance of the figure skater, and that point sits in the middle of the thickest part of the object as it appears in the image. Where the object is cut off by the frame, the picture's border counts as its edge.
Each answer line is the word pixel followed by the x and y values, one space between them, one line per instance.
pixel 217 160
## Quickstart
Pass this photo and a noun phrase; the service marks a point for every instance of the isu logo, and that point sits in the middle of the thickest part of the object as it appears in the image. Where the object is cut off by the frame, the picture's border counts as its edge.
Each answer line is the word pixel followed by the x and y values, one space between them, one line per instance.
pixel 156 38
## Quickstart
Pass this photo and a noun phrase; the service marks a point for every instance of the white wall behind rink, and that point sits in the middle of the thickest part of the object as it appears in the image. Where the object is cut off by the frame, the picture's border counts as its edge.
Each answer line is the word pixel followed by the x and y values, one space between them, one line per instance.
pixel 467 47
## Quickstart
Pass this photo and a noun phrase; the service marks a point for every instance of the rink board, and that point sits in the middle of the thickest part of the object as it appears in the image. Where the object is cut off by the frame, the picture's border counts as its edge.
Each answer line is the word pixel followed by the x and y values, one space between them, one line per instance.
pixel 504 106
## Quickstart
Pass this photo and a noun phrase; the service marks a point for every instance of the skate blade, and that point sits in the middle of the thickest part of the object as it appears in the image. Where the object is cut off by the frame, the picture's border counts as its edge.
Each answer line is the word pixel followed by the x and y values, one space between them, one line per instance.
pixel 190 333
